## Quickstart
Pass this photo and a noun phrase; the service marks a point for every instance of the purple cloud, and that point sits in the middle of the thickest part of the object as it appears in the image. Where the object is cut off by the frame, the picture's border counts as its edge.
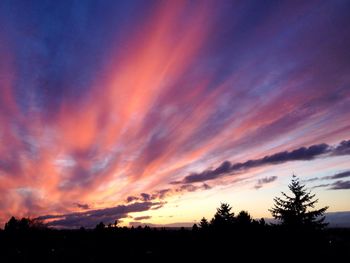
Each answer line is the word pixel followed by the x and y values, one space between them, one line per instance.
pixel 142 218
pixel 340 185
pixel 90 218
pixel 82 206
pixel 300 154
pixel 265 180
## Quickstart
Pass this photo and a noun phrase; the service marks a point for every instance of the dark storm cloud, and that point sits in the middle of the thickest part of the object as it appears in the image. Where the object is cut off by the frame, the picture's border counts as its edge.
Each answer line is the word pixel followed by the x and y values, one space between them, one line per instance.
pixel 300 154
pixel 92 217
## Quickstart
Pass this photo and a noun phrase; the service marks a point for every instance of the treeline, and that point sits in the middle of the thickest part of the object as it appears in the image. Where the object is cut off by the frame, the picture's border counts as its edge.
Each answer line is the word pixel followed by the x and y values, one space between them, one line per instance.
pixel 223 219
pixel 224 236
pixel 300 235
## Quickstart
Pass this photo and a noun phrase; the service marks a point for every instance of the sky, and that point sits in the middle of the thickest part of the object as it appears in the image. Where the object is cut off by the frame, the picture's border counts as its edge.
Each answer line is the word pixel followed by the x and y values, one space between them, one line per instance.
pixel 156 111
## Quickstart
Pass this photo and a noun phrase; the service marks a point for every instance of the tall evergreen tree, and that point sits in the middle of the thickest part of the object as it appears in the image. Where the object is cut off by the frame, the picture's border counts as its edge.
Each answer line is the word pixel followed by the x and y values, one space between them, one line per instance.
pixel 223 216
pixel 243 218
pixel 204 224
pixel 293 211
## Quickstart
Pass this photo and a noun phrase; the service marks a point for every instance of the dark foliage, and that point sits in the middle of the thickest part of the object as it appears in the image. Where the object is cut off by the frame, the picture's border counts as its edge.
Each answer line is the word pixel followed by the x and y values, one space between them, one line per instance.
pixel 204 224
pixel 248 238
pixel 24 224
pixel 223 217
pixel 244 218
pixel 293 211
pixel 226 237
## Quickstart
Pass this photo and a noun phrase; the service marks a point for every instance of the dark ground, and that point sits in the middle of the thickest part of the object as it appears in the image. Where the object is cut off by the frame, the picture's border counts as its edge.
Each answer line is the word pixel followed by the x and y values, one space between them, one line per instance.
pixel 117 244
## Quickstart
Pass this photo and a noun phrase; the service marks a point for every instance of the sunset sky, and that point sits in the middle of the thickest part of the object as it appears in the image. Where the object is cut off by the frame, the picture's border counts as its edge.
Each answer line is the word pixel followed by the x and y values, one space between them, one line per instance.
pixel 156 111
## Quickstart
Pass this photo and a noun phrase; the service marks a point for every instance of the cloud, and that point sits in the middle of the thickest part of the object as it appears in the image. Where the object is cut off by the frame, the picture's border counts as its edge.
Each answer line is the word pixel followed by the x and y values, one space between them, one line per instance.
pixel 320 185
pixel 192 188
pixel 156 195
pixel 146 197
pixel 90 218
pixel 338 175
pixel 130 199
pixel 335 176
pixel 265 180
pixel 343 148
pixel 158 206
pixel 82 206
pixel 310 180
pixel 163 193
pixel 142 218
pixel 340 185
pixel 300 154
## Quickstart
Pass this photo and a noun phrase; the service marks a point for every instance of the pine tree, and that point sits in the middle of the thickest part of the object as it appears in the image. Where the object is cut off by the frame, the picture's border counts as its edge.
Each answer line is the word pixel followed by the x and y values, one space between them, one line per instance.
pixel 293 210
pixel 100 226
pixel 223 216
pixel 204 224
pixel 243 218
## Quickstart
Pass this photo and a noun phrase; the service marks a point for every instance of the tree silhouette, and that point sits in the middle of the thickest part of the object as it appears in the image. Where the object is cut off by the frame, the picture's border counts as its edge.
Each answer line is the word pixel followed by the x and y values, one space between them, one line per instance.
pixel 262 222
pixel 23 224
pixel 12 224
pixel 243 218
pixel 100 226
pixel 293 210
pixel 204 224
pixel 223 216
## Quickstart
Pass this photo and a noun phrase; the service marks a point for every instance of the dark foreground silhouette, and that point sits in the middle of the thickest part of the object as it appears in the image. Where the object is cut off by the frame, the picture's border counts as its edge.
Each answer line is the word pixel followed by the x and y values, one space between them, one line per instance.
pixel 301 235
pixel 273 243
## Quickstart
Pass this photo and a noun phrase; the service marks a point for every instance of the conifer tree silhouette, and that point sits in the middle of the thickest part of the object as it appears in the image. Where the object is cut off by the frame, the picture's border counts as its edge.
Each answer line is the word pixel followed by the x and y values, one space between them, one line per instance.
pixel 223 216
pixel 243 218
pixel 204 224
pixel 293 211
